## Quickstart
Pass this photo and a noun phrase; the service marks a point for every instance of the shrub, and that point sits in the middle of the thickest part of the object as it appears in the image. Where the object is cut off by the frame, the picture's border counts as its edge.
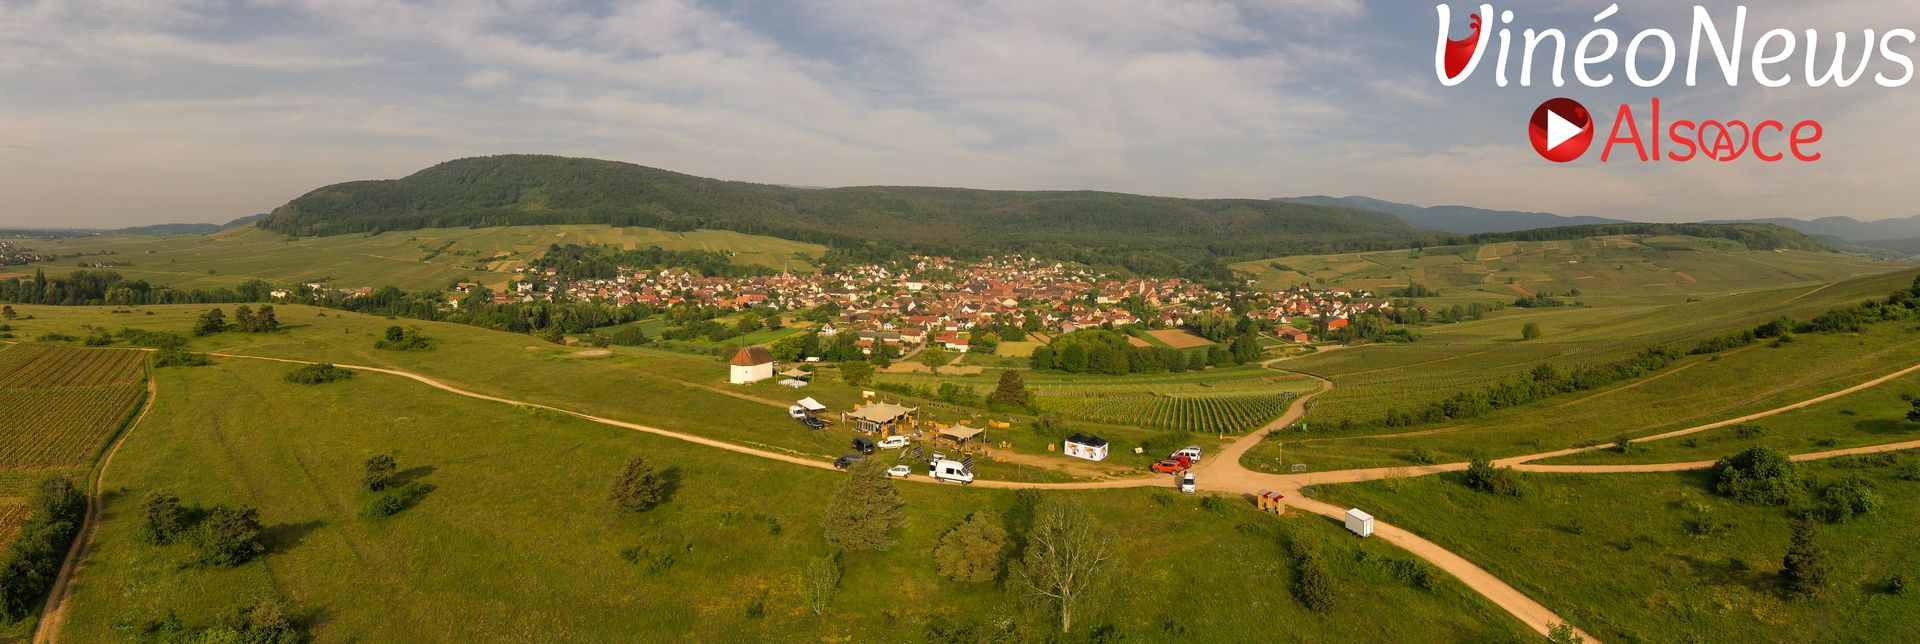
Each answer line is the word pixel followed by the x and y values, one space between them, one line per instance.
pixel 1422 456
pixel 1483 476
pixel 1313 584
pixel 1759 475
pixel 1848 498
pixel 315 374
pixel 166 519
pixel 399 338
pixel 395 500
pixel 178 358
pixel 378 472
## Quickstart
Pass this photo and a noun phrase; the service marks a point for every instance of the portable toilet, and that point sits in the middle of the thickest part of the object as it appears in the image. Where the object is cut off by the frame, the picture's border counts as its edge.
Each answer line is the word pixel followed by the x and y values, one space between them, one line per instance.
pixel 1360 523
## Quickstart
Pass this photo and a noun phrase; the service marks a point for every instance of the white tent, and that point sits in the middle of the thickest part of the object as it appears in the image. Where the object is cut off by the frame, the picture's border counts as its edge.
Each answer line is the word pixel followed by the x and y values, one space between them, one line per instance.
pixel 811 405
pixel 796 384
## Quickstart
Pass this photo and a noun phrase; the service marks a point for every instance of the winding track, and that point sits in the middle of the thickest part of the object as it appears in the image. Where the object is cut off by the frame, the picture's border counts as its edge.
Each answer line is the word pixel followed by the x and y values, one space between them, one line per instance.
pixel 1222 472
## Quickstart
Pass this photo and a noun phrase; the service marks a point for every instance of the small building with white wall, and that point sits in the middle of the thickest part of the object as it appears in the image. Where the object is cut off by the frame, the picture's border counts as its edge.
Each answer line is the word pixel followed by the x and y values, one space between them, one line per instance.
pixel 751 365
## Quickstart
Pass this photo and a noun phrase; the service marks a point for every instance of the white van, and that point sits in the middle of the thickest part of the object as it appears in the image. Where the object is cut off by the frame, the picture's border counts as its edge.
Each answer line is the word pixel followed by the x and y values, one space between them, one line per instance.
pixel 1192 452
pixel 951 472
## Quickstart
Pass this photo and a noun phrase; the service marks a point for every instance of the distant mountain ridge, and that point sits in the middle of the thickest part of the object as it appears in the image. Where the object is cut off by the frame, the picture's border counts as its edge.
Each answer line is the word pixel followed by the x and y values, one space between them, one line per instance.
pixel 1465 220
pixel 1847 228
pixel 1136 231
pixel 159 230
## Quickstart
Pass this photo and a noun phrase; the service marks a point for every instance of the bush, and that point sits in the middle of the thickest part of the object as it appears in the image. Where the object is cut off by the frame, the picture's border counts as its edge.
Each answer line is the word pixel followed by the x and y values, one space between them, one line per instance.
pixel 395 500
pixel 315 374
pixel 639 487
pixel 166 519
pixel 1313 584
pixel 1422 456
pixel 28 566
pixel 403 339
pixel 1848 498
pixel 178 358
pixel 1502 481
pixel 378 472
pixel 1759 475
pixel 1804 570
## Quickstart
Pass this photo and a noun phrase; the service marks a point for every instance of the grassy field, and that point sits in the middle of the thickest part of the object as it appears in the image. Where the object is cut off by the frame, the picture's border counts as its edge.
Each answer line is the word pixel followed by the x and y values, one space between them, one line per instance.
pixel 413 260
pixel 1612 554
pixel 1373 379
pixel 517 540
pixel 1871 417
pixel 1696 391
pixel 1606 270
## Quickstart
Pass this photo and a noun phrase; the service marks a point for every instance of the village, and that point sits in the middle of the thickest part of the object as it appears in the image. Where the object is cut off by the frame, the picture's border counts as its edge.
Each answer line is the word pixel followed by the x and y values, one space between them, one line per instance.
pixel 941 300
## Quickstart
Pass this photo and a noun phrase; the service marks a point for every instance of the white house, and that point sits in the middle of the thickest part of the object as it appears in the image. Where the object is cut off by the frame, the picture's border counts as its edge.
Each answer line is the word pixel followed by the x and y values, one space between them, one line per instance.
pixel 1092 448
pixel 750 365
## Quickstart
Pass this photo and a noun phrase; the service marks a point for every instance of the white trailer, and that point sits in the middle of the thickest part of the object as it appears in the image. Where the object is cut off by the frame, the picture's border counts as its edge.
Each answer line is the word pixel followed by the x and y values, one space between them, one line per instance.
pixel 1360 523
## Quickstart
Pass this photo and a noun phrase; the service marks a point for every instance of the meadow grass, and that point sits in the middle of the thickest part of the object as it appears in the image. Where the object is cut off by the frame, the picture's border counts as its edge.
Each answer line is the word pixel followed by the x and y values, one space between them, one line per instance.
pixel 1696 391
pixel 517 540
pixel 1615 556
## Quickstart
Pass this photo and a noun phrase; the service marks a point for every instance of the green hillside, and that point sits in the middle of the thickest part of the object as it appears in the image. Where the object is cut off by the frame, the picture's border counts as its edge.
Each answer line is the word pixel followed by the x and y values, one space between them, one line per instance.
pixel 414 259
pixel 523 190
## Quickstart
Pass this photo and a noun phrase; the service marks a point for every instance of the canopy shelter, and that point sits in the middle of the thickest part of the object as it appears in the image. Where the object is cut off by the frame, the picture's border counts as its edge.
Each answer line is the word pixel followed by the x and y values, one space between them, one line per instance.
pixel 797 373
pixel 885 419
pixel 811 405
pixel 959 435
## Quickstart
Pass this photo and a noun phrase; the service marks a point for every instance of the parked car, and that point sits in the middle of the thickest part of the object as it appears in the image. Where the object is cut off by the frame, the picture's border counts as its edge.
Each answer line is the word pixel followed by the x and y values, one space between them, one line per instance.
pixel 1186 483
pixel 895 442
pixel 847 460
pixel 862 445
pixel 1192 453
pixel 814 423
pixel 900 471
pixel 1170 466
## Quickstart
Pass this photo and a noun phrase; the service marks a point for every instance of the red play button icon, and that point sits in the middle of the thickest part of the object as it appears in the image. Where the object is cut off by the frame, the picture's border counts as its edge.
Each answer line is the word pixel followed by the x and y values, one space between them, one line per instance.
pixel 1561 130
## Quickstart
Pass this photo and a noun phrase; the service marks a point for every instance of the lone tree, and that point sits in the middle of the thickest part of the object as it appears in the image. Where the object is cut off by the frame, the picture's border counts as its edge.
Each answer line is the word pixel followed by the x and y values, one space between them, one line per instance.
pixel 819 581
pixel 1913 415
pixel 1759 475
pixel 1531 331
pixel 7 312
pixel 1011 393
pixel 858 374
pixel 379 472
pixel 972 551
pixel 1804 571
pixel 211 322
pixel 935 358
pixel 230 537
pixel 639 487
pixel 864 509
pixel 1067 555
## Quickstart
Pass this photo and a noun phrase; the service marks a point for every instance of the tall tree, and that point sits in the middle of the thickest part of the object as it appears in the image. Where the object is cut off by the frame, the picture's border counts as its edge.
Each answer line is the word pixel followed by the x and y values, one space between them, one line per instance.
pixel 1804 571
pixel 865 509
pixel 231 536
pixel 1011 392
pixel 972 551
pixel 639 487
pixel 935 358
pixel 211 322
pixel 1067 555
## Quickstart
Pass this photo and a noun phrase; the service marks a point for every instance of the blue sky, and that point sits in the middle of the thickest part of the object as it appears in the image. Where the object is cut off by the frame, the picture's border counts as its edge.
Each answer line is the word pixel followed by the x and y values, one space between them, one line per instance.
pixel 119 112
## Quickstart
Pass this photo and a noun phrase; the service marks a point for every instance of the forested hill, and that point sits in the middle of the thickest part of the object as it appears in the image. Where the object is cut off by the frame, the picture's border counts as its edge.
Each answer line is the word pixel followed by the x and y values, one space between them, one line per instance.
pixel 1143 233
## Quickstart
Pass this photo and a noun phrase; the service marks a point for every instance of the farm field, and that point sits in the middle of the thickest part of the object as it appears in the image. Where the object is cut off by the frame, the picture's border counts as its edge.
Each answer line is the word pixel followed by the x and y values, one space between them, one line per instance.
pixel 413 260
pixel 1695 391
pixel 1219 414
pixel 1613 553
pixel 517 538
pixel 1374 379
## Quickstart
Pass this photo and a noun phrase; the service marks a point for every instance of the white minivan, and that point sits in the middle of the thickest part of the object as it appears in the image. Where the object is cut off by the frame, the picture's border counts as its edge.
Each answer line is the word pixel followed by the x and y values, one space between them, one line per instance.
pixel 1192 452
pixel 951 472
pixel 895 442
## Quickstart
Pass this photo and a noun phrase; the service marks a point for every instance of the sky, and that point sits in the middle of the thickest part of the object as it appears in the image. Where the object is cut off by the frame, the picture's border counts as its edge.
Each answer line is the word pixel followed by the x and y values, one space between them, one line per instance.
pixel 128 112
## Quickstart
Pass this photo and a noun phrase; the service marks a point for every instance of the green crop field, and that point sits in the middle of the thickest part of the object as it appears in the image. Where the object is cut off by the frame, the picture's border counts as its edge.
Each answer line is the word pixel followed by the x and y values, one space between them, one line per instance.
pixel 517 539
pixel 1695 391
pixel 414 260
pixel 1374 379
pixel 1613 553
pixel 1220 414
